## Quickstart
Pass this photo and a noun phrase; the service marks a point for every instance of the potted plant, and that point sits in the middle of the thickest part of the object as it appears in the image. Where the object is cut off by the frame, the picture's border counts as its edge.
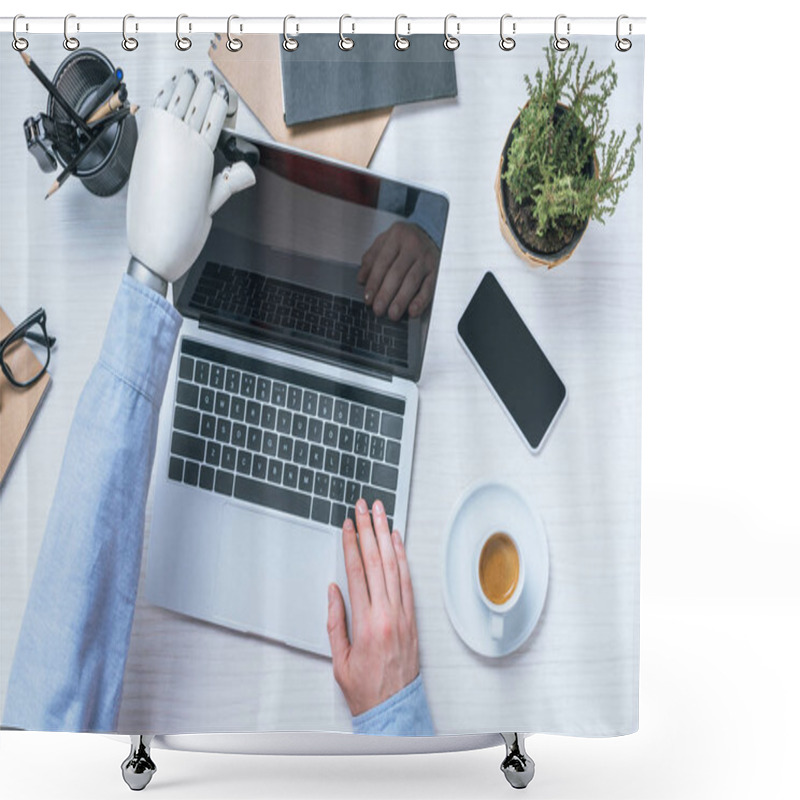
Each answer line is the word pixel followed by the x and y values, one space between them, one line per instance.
pixel 559 167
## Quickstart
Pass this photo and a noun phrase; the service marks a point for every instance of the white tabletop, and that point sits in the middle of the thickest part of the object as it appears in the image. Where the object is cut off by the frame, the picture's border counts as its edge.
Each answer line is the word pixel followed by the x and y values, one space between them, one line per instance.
pixel 578 672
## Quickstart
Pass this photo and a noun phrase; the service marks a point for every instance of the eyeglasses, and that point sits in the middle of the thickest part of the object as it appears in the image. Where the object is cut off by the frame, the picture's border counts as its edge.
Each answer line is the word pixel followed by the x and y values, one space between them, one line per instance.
pixel 20 370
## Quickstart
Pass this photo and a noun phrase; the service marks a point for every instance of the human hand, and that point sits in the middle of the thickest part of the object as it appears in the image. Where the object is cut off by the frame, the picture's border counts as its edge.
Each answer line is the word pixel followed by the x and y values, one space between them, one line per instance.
pixel 400 271
pixel 383 657
pixel 171 194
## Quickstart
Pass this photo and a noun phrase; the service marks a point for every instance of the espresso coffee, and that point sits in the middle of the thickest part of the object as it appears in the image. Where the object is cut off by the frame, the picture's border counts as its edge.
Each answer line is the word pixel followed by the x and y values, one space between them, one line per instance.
pixel 498 568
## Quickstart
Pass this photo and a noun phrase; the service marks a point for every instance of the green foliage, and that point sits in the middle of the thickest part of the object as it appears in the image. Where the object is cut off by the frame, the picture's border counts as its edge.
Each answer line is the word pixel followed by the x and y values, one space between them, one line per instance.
pixel 550 164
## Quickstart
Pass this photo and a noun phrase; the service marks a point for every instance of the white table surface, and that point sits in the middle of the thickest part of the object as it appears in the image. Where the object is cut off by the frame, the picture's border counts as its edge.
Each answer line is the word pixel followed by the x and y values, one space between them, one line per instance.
pixel 578 672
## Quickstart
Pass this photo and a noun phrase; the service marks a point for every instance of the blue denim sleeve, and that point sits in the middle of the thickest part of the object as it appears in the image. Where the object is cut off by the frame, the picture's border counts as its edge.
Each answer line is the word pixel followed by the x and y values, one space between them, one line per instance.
pixel 70 656
pixel 405 713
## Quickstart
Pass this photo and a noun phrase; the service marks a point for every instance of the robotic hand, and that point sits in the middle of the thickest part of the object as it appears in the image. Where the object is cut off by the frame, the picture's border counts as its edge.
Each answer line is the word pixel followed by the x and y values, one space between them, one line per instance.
pixel 173 193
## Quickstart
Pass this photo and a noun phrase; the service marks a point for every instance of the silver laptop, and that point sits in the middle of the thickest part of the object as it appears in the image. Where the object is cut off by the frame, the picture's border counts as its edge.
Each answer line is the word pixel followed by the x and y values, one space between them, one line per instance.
pixel 289 398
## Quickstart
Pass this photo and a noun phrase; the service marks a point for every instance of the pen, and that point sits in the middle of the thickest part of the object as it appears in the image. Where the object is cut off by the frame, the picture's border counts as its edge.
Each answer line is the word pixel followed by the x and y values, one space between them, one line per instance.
pixel 97 133
pixel 54 93
pixel 109 85
pixel 112 104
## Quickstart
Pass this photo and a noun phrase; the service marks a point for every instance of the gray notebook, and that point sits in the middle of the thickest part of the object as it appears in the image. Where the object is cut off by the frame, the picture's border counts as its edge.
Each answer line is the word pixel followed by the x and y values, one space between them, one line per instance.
pixel 320 80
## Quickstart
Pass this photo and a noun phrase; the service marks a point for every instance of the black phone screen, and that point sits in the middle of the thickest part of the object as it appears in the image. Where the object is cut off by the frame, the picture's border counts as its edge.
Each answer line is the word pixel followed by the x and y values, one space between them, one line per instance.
pixel 512 362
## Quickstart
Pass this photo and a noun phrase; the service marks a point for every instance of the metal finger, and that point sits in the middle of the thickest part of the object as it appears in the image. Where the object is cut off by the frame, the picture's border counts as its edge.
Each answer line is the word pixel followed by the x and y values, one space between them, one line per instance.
pixel 201 98
pixel 215 116
pixel 165 93
pixel 182 95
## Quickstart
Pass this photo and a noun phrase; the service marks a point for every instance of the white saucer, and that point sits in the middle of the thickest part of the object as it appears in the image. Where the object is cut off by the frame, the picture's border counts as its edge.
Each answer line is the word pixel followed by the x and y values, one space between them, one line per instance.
pixel 484 508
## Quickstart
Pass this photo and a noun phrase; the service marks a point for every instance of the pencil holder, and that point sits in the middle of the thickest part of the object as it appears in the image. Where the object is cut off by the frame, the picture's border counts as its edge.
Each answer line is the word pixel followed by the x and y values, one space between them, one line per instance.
pixel 105 169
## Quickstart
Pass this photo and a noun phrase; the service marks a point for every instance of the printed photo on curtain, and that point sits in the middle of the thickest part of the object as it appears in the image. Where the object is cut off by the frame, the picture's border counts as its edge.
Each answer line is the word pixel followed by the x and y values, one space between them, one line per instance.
pixel 320 401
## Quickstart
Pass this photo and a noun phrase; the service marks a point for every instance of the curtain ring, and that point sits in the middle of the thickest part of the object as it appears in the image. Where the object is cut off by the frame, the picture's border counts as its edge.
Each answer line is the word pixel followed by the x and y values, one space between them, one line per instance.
pixel 128 42
pixel 70 42
pixel 19 43
pixel 560 43
pixel 345 42
pixel 623 45
pixel 401 42
pixel 290 44
pixel 233 44
pixel 507 42
pixel 183 43
pixel 451 42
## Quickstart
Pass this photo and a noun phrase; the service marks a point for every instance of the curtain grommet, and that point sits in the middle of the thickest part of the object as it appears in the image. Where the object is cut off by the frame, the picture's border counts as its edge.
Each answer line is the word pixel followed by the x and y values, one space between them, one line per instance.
pixel 233 44
pixel 129 43
pixel 401 42
pixel 507 43
pixel 290 44
pixel 70 42
pixel 560 43
pixel 183 43
pixel 19 43
pixel 345 42
pixel 623 45
pixel 451 42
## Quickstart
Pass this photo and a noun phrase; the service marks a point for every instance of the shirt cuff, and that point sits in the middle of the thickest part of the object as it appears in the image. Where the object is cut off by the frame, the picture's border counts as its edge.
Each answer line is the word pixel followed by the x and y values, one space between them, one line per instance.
pixel 405 713
pixel 140 339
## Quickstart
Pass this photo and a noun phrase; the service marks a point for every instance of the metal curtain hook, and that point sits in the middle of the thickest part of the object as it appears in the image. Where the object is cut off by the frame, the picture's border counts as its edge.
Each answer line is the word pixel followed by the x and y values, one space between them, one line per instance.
pixel 451 42
pixel 19 43
pixel 289 43
pixel 128 42
pixel 401 42
pixel 70 42
pixel 507 42
pixel 623 45
pixel 560 43
pixel 233 44
pixel 182 42
pixel 345 42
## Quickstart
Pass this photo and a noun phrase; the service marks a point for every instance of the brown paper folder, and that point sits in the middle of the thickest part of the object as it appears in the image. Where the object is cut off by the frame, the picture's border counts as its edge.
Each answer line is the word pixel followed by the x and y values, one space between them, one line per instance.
pixel 17 406
pixel 254 72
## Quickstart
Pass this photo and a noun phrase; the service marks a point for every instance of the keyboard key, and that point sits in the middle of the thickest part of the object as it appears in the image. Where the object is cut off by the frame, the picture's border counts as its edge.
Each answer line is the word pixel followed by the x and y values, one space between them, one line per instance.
pixel 223 430
pixel 237 408
pixel 383 476
pixel 338 515
pixel 208 426
pixel 228 458
pixel 217 380
pixel 191 472
pixel 306 480
pixel 270 443
pixel 275 471
pixel 346 436
pixel 300 452
pixel 213 453
pixel 331 435
pixel 352 493
pixel 316 458
pixel 276 497
pixel 186 420
pixel 299 425
pixel 259 467
pixel 187 394
pixel 362 444
pixel 268 417
pixel 371 494
pixel 254 439
pixel 187 446
pixel 279 394
pixel 310 403
pixel 391 426
pixel 290 475
pixel 222 404
pixel 362 470
pixel 284 421
pixel 325 409
pixel 340 412
pixel 248 387
pixel 223 482
pixel 253 413
pixel 392 452
pixel 232 377
pixel 356 415
pixel 285 448
pixel 206 400
pixel 347 468
pixel 238 435
pixel 315 430
pixel 201 370
pixel 186 369
pixel 337 490
pixel 321 484
pixel 372 421
pixel 206 478
pixel 332 461
pixel 244 461
pixel 321 511
pixel 176 469
pixel 376 448
pixel 294 399
pixel 262 390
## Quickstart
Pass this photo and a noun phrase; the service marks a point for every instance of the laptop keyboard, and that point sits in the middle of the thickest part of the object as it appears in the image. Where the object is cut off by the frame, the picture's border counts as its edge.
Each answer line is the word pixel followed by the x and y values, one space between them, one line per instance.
pixel 301 313
pixel 277 437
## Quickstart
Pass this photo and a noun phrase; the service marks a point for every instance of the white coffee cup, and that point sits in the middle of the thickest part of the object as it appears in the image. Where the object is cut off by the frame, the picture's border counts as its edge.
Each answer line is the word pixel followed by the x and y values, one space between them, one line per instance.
pixel 499 576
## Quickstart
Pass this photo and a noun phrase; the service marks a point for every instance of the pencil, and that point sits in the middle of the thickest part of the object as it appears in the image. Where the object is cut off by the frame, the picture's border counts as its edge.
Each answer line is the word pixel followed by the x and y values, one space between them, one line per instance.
pixel 97 133
pixel 54 93
pixel 112 104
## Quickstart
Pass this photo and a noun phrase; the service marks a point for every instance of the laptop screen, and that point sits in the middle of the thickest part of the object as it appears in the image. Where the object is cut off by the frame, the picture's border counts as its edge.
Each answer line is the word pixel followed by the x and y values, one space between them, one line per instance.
pixel 323 258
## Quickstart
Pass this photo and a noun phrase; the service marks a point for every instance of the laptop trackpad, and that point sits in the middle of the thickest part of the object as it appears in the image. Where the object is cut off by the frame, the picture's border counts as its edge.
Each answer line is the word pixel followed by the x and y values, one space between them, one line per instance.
pixel 273 577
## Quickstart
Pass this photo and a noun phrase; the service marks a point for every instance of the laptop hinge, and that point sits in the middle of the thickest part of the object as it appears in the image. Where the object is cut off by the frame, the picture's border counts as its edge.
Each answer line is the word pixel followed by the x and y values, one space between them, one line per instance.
pixel 232 330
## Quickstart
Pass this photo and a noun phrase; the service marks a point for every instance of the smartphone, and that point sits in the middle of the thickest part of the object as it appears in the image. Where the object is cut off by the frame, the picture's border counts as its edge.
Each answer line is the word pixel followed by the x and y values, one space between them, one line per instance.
pixel 504 351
